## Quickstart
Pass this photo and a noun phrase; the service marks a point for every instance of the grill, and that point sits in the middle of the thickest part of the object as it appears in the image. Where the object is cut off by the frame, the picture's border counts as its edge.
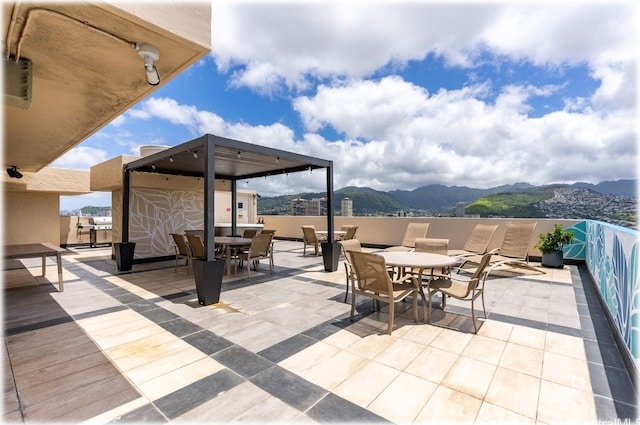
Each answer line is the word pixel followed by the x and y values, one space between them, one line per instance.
pixel 96 224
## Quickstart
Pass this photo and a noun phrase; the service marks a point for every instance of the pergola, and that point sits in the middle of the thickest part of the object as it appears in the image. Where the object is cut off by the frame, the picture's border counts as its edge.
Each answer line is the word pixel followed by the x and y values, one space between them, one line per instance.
pixel 212 157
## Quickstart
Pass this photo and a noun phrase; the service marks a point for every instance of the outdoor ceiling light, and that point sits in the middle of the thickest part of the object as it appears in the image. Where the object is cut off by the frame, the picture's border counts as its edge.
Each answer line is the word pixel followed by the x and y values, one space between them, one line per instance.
pixel 14 173
pixel 195 154
pixel 153 166
pixel 171 158
pixel 149 54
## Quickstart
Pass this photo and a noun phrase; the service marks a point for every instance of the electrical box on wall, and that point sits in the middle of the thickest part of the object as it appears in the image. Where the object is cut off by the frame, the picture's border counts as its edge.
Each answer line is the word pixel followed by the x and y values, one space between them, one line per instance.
pixel 17 82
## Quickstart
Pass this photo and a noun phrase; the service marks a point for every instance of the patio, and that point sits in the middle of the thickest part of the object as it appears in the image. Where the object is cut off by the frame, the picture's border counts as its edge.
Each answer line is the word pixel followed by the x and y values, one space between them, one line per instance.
pixel 280 347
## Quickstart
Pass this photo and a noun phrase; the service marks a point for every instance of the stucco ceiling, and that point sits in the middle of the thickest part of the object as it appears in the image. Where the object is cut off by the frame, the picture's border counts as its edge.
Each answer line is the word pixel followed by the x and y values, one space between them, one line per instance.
pixel 85 71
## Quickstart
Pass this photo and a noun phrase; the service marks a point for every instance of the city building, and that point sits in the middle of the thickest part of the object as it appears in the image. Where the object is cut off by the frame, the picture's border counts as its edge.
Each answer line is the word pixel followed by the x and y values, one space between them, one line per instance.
pixel 346 207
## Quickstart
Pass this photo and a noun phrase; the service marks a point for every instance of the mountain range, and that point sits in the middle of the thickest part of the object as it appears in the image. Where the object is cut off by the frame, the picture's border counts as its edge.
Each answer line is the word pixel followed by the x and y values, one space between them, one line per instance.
pixel 433 199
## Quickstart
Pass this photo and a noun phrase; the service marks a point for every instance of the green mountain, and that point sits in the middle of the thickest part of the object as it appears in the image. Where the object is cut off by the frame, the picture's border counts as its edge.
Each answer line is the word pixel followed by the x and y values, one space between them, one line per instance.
pixel 518 204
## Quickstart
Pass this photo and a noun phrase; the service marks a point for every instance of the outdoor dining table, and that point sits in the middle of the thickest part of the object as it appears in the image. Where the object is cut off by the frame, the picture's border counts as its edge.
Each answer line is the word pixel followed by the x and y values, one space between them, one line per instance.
pixel 43 250
pixel 417 260
pixel 228 242
pixel 335 232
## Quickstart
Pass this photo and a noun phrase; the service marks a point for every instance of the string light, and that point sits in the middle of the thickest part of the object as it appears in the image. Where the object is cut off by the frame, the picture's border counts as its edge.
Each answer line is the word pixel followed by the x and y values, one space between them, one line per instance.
pixel 195 154
pixel 171 158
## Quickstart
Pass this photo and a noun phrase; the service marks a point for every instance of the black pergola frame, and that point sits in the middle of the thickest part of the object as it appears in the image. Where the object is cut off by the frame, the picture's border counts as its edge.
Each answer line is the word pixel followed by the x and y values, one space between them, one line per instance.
pixel 213 158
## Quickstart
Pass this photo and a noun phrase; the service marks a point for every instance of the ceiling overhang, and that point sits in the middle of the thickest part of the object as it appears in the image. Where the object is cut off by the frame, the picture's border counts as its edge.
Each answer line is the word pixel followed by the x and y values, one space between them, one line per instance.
pixel 85 70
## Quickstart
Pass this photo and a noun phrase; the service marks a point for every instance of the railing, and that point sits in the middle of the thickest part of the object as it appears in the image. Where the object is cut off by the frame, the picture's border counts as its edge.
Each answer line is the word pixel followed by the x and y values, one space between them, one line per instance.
pixel 612 258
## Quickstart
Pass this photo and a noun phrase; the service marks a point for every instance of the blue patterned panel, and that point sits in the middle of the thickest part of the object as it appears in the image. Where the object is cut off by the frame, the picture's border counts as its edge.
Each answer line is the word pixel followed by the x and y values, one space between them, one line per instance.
pixel 613 259
pixel 578 249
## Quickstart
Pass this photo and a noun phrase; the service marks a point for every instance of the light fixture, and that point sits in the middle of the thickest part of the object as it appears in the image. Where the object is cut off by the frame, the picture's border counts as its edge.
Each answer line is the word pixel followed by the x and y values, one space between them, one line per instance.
pixel 171 158
pixel 277 159
pixel 149 54
pixel 195 154
pixel 238 154
pixel 14 173
pixel 153 166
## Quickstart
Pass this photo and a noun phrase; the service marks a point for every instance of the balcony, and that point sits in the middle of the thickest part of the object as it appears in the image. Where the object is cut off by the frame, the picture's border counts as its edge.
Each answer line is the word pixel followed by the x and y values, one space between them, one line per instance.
pixel 280 347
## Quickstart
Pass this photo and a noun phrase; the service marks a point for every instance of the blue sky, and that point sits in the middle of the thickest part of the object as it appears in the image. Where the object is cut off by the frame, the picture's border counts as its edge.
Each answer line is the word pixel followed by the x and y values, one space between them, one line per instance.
pixel 402 95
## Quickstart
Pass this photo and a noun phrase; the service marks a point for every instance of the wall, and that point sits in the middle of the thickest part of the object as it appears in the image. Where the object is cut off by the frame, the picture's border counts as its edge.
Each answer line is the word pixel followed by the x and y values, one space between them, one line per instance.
pixel 31 217
pixel 390 230
pixel 156 213
pixel 613 260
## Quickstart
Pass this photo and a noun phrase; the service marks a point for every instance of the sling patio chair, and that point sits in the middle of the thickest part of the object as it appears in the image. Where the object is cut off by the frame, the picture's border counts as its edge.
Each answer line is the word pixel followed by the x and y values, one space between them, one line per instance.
pixel 373 281
pixel 466 288
pixel 196 244
pixel 260 249
pixel 310 237
pixel 413 231
pixel 514 251
pixel 478 241
pixel 249 233
pixel 346 246
pixel 182 250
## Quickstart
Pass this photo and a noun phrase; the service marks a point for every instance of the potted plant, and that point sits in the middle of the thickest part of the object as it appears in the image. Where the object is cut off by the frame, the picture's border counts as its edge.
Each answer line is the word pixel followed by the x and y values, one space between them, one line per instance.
pixel 551 243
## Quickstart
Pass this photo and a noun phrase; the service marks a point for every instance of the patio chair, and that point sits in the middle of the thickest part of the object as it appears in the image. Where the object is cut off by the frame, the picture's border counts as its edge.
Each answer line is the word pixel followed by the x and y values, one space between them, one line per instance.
pixel 310 237
pixel 461 287
pixel 413 231
pixel 346 246
pixel 434 246
pixel 514 251
pixel 373 281
pixel 249 233
pixel 477 242
pixel 351 232
pixel 196 244
pixel 260 249
pixel 182 250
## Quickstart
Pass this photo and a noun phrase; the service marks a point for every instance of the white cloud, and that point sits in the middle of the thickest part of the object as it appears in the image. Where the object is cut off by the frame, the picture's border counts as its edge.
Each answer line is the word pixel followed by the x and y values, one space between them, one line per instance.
pixel 81 158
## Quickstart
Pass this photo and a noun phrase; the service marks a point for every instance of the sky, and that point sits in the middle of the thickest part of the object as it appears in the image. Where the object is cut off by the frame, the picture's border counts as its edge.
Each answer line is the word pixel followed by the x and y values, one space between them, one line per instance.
pixel 400 95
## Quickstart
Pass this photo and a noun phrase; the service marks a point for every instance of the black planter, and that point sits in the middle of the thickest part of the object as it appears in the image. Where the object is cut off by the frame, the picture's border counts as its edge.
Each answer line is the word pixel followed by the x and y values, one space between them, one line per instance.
pixel 208 275
pixel 124 255
pixel 330 255
pixel 553 259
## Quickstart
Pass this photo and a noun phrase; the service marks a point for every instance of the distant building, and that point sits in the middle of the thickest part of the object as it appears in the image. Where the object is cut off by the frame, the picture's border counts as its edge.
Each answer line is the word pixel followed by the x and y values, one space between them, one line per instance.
pixel 346 207
pixel 460 209
pixel 317 206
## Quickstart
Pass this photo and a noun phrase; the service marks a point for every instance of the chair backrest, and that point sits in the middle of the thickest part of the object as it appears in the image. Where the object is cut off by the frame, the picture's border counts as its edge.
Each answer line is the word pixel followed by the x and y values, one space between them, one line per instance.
pixel 350 245
pixel 180 242
pixel 270 231
pixel 260 245
pixel 351 233
pixel 249 233
pixel 198 232
pixel 196 244
pixel 517 239
pixel 435 246
pixel 414 230
pixel 480 237
pixel 309 234
pixel 345 227
pixel 371 272
pixel 484 262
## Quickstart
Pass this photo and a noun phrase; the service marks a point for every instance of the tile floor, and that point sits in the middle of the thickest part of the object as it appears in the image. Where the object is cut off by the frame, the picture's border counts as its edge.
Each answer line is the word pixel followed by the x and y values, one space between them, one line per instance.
pixel 280 347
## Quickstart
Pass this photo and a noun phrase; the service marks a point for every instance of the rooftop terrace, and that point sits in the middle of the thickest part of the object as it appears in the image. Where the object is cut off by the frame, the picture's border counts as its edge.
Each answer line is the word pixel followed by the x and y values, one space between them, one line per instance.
pixel 280 347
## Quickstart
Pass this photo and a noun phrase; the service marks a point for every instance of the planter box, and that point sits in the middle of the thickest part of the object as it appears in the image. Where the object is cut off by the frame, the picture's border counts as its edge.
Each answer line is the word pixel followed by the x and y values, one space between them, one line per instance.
pixel 330 255
pixel 208 275
pixel 124 255
pixel 553 259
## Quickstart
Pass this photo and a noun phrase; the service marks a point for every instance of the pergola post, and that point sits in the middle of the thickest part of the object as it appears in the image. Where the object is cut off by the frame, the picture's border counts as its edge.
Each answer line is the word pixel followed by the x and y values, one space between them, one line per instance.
pixel 330 248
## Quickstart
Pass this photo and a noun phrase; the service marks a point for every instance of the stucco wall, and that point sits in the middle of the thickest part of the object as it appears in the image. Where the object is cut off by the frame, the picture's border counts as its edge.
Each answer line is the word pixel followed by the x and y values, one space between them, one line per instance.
pixel 390 230
pixel 31 217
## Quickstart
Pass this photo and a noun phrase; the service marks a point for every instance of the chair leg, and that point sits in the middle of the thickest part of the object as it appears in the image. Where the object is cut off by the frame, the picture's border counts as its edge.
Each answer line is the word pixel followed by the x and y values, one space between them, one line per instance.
pixel 429 314
pixel 391 313
pixel 353 303
pixel 473 317
pixel 346 271
pixel 415 306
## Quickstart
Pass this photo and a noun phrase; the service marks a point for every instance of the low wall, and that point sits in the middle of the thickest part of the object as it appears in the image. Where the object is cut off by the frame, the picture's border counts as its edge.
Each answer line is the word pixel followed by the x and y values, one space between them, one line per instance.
pixel 388 231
